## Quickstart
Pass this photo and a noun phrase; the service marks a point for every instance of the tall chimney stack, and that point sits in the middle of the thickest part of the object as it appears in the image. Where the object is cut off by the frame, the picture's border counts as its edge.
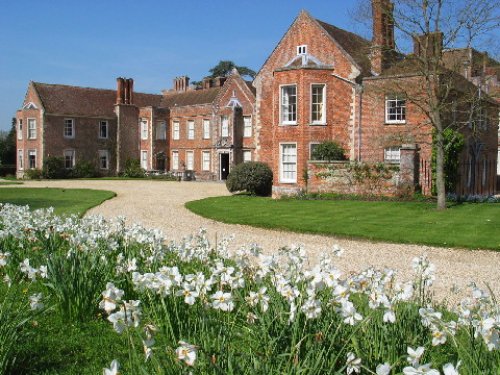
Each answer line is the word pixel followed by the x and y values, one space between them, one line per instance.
pixel 383 43
pixel 130 82
pixel 119 90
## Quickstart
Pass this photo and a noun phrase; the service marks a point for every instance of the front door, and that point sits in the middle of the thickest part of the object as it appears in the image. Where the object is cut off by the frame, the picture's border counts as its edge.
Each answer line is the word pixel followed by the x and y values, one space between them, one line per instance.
pixel 224 166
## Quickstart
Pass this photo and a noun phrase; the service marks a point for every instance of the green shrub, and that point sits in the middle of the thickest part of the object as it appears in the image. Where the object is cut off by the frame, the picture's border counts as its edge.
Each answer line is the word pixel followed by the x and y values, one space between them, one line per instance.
pixel 53 168
pixel 84 169
pixel 133 169
pixel 253 177
pixel 33 174
pixel 328 151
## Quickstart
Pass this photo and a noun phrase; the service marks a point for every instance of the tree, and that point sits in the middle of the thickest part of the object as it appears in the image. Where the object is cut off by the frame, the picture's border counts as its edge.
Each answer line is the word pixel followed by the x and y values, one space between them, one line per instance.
pixel 432 25
pixel 224 68
pixel 8 145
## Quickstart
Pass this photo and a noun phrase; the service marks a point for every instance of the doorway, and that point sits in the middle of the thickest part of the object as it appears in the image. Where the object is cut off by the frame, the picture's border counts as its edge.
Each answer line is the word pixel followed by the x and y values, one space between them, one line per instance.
pixel 224 166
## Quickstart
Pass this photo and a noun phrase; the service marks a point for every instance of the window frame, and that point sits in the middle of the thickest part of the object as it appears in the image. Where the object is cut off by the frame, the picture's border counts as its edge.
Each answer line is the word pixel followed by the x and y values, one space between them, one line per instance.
pixel 247 127
pixel 282 105
pixel 161 131
pixel 224 126
pixel 206 129
pixel 176 130
pixel 247 152
pixel 30 153
pixel 205 167
pixel 144 123
pixel 395 98
pixel 30 129
pixel 302 50
pixel 144 160
pixel 105 154
pixel 190 130
pixel 20 159
pixel 189 159
pixel 323 104
pixel 311 146
pixel 101 123
pixel 175 160
pixel 66 153
pixel 66 134
pixel 282 179
pixel 388 152
pixel 20 129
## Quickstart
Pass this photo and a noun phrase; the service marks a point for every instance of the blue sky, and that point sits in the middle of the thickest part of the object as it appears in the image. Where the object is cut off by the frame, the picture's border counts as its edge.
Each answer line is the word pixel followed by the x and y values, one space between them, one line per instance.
pixel 90 43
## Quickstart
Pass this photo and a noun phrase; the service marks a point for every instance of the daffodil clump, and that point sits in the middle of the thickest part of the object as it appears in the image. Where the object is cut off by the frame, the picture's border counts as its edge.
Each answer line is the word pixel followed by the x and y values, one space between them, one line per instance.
pixel 196 307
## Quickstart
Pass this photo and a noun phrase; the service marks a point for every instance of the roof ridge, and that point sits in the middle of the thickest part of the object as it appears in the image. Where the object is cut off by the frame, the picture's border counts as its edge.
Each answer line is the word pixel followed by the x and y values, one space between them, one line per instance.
pixel 87 88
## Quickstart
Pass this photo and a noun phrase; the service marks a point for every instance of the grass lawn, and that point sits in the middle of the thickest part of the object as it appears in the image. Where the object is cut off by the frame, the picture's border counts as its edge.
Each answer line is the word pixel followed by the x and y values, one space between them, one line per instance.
pixel 64 201
pixel 462 225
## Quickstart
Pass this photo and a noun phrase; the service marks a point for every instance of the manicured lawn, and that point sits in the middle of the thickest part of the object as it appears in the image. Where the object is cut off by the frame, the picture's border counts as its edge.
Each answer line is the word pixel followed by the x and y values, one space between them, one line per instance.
pixel 64 201
pixel 462 225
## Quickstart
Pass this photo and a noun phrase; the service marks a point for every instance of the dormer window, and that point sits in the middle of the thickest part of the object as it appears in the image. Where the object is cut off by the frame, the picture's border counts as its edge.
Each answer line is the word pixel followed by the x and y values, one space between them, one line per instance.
pixel 302 50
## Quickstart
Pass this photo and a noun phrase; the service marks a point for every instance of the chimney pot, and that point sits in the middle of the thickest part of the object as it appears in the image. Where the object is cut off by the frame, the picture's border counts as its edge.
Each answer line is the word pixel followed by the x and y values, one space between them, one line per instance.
pixel 119 90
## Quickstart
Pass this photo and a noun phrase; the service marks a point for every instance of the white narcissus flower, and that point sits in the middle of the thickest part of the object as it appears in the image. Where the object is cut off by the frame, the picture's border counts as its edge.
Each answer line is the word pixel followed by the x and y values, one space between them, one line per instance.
pixel 113 369
pixel 420 370
pixel 438 337
pixel 222 301
pixel 383 369
pixel 450 369
pixel 189 293
pixel 414 355
pixel 186 352
pixel 3 259
pixel 353 364
pixel 348 311
pixel 311 308
pixel 111 296
pixel 43 272
pixel 389 316
pixel 35 301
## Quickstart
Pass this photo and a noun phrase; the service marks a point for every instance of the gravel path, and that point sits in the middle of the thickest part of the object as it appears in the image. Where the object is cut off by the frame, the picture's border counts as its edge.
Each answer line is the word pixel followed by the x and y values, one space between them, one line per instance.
pixel 160 204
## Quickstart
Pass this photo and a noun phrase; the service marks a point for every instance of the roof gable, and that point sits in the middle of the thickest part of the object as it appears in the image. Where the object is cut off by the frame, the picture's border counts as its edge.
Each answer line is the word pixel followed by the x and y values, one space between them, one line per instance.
pixel 352 46
pixel 191 97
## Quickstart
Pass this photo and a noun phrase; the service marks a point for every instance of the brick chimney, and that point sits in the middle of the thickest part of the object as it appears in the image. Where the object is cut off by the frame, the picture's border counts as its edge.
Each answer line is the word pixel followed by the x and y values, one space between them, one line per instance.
pixel 428 45
pixel 181 84
pixel 130 85
pixel 120 90
pixel 383 43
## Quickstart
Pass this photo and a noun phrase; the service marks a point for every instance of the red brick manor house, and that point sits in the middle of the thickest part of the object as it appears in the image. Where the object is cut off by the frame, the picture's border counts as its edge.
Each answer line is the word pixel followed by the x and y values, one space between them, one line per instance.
pixel 320 83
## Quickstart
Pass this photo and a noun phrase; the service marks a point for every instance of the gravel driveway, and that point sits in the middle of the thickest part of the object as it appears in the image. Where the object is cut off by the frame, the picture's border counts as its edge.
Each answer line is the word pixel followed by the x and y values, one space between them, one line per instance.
pixel 160 204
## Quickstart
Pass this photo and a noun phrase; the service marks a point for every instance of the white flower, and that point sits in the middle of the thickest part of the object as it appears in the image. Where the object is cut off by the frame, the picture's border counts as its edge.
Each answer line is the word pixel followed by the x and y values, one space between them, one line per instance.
pixel 438 337
pixel 353 363
pixel 414 355
pixel 131 264
pixel 35 301
pixel 255 298
pixel 7 280
pixel 186 352
pixel 28 270
pixel 383 369
pixel 189 293
pixel 222 301
pixel 389 316
pixel 420 370
pixel 311 308
pixel 429 316
pixel 111 296
pixel 128 316
pixel 348 311
pixel 450 369
pixel 113 369
pixel 3 259
pixel 43 272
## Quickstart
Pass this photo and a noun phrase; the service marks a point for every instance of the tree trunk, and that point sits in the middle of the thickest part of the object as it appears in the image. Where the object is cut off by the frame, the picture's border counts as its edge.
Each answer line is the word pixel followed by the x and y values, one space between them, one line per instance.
pixel 440 176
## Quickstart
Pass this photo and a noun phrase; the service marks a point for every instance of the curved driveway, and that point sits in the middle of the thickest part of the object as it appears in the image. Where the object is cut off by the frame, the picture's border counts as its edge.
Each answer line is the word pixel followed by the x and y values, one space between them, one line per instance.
pixel 160 205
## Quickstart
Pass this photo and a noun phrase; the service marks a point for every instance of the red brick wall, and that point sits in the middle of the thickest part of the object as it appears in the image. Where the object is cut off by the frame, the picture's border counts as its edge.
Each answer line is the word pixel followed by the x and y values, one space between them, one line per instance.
pixel 339 97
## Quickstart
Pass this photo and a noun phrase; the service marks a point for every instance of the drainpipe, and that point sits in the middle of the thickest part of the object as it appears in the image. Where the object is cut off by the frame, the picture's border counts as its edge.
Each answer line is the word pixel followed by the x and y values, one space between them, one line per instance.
pixel 356 88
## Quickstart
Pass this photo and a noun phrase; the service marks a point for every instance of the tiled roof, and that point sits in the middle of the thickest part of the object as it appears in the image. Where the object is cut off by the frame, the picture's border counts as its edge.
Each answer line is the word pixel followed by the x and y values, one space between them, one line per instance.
pixel 85 101
pixel 356 46
pixel 193 97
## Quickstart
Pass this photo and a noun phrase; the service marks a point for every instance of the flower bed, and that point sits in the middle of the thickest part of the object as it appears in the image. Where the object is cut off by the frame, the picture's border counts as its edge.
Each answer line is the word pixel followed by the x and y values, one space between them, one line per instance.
pixel 202 308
